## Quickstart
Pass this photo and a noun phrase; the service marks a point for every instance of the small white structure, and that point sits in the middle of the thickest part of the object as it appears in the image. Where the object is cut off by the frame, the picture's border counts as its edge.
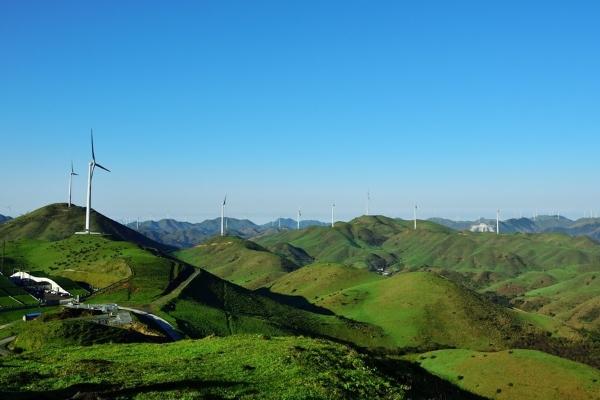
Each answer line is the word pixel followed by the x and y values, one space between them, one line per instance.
pixel 482 227
pixel 55 287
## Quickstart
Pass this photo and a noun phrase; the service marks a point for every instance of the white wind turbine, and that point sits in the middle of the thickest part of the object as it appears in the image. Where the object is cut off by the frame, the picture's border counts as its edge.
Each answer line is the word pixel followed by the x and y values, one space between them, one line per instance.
pixel 298 219
pixel 71 182
pixel 368 200
pixel 223 216
pixel 332 214
pixel 497 221
pixel 91 167
pixel 415 216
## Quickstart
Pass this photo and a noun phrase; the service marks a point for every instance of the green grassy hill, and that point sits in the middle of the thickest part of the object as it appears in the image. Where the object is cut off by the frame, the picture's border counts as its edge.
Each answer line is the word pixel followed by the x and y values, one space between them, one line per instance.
pixel 515 374
pixel 57 221
pixel 123 271
pixel 236 367
pixel 239 261
pixel 514 266
pixel 418 309
pixel 209 305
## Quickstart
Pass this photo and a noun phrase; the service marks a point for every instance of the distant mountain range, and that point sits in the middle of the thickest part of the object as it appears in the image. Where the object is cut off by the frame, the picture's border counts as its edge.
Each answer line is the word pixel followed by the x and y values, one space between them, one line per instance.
pixel 4 218
pixel 186 234
pixel 542 224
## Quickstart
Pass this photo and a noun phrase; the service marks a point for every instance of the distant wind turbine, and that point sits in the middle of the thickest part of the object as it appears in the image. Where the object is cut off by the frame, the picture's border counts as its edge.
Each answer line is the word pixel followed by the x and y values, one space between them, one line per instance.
pixel 497 221
pixel 223 216
pixel 368 200
pixel 71 182
pixel 298 220
pixel 332 214
pixel 415 215
pixel 91 167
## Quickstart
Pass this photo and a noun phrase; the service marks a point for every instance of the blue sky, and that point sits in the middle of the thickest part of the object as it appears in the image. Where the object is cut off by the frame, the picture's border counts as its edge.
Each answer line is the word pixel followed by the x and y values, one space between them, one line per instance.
pixel 462 107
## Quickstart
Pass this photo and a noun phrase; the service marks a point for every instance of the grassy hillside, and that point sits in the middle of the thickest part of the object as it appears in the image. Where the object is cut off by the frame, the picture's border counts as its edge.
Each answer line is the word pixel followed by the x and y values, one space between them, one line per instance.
pixel 36 335
pixel 515 374
pixel 209 305
pixel 123 271
pixel 57 221
pixel 13 296
pixel 235 367
pixel 315 282
pixel 239 261
pixel 423 310
pixel 514 266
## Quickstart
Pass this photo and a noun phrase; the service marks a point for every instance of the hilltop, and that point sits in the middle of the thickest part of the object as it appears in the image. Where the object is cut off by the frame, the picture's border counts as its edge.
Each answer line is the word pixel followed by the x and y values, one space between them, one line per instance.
pixel 58 221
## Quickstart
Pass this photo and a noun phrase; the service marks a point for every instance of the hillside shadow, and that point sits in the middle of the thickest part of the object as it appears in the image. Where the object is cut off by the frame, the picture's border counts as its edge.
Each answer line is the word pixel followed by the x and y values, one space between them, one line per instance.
pixel 93 391
pixel 294 301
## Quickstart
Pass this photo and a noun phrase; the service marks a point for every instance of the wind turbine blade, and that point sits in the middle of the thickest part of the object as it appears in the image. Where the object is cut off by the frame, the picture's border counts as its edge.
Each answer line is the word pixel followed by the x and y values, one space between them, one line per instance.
pixel 92 137
pixel 101 167
pixel 72 172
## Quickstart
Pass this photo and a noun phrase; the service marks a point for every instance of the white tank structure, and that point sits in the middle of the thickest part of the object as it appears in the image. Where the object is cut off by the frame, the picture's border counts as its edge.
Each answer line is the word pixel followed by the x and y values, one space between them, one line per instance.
pixel 482 227
pixel 53 285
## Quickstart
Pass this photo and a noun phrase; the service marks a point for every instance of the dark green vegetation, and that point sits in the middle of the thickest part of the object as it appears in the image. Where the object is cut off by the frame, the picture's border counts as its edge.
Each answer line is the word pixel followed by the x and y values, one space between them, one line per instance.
pixel 548 273
pixel 185 234
pixel 514 374
pixel 257 367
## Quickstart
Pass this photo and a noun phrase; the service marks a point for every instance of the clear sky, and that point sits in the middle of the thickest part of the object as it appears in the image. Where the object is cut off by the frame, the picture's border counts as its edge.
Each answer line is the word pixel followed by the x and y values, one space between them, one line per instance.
pixel 460 106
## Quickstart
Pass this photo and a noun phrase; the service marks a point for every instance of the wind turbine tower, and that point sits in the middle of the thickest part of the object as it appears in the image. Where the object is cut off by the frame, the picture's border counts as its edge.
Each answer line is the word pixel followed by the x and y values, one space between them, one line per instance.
pixel 298 219
pixel 71 182
pixel 368 200
pixel 415 216
pixel 497 221
pixel 332 214
pixel 223 216
pixel 91 167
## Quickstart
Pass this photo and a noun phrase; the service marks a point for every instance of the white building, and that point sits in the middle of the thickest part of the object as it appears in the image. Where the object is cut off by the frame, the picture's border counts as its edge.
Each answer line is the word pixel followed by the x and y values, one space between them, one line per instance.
pixel 55 287
pixel 482 227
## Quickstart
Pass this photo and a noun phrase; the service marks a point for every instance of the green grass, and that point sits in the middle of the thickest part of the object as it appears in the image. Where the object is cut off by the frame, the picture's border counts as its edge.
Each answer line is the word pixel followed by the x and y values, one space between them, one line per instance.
pixel 227 368
pixel 126 273
pixel 57 222
pixel 515 374
pixel 13 296
pixel 423 310
pixel 548 273
pixel 209 305
pixel 237 260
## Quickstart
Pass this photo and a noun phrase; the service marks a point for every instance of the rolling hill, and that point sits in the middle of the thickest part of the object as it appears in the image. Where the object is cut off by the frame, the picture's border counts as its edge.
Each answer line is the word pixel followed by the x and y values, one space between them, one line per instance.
pixel 515 267
pixel 57 221
pixel 417 309
pixel 238 260
pixel 514 374
pixel 4 218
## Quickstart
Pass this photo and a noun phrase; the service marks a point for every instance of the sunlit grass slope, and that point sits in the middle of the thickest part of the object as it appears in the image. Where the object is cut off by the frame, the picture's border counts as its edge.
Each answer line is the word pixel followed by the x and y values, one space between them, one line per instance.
pixel 515 374
pixel 239 261
pixel 210 305
pixel 235 367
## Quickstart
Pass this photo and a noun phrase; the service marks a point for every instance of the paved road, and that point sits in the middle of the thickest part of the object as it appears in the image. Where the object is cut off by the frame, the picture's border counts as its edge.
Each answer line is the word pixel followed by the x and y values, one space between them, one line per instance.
pixel 3 343
pixel 166 326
